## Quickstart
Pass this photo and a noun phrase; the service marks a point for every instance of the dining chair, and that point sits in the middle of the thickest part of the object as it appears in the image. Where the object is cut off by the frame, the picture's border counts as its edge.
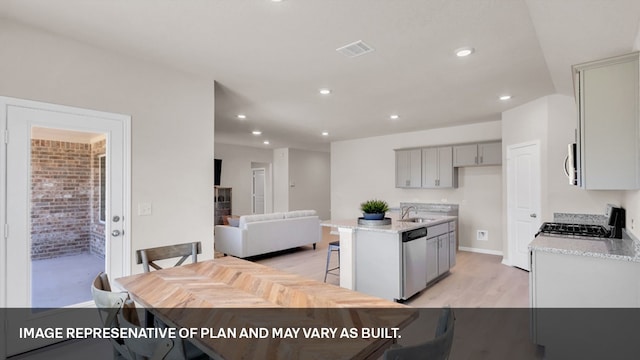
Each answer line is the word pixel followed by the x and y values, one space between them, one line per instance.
pixel 146 257
pixel 110 304
pixel 437 348
pixel 162 348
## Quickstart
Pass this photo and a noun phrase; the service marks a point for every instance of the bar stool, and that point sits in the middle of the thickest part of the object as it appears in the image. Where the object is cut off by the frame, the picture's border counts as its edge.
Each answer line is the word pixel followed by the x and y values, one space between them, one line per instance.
pixel 333 246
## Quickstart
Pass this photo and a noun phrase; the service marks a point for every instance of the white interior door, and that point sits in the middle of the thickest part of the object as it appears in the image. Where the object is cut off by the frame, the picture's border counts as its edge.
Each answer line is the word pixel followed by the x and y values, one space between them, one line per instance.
pixel 523 200
pixel 19 118
pixel 258 190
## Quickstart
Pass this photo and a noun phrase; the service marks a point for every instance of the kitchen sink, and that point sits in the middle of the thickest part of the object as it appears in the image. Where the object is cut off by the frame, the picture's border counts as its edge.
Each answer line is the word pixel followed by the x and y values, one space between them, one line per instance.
pixel 418 220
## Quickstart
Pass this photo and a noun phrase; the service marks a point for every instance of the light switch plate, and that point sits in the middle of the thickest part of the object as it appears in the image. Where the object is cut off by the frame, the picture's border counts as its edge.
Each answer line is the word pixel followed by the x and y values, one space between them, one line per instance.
pixel 144 209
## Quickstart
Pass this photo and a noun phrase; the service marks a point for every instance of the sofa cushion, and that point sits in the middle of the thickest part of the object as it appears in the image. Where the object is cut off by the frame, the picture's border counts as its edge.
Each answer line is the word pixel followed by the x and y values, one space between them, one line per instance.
pixel 299 213
pixel 245 219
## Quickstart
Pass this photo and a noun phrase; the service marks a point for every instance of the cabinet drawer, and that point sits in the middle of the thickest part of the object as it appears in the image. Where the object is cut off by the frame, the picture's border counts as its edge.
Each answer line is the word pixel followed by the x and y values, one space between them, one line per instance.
pixel 452 226
pixel 437 230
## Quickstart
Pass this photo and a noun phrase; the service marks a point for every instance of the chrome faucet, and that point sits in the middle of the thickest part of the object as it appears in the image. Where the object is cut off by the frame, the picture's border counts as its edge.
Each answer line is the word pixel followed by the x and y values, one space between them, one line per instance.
pixel 404 211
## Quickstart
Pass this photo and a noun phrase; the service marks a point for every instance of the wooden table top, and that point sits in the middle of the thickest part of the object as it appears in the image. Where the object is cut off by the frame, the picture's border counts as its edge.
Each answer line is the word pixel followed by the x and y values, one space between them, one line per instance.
pixel 233 293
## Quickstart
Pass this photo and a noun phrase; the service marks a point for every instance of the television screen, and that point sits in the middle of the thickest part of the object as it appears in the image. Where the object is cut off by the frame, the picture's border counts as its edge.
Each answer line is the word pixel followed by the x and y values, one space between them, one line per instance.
pixel 218 169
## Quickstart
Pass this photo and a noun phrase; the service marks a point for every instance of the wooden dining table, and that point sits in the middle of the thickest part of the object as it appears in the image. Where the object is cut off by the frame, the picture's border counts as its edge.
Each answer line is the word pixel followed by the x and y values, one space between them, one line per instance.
pixel 231 293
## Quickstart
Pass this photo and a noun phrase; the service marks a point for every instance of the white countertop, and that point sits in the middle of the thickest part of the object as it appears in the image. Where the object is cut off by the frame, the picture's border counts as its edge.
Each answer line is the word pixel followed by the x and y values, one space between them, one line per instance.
pixel 396 226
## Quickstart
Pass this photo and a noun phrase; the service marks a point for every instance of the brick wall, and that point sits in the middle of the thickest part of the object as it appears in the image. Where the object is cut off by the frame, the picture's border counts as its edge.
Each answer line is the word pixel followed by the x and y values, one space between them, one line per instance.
pixel 96 228
pixel 60 191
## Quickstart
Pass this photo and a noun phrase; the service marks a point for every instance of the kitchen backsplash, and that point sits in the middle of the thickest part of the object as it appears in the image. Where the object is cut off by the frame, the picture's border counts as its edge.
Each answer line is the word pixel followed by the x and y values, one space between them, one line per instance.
pixel 445 209
pixel 590 219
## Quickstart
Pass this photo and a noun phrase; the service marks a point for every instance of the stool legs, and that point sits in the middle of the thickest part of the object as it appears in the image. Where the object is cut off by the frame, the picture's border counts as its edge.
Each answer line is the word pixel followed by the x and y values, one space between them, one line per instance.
pixel 333 246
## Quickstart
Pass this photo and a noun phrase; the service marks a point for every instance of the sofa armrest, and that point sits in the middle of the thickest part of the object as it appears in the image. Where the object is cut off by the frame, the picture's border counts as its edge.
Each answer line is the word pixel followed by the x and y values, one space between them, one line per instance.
pixel 229 240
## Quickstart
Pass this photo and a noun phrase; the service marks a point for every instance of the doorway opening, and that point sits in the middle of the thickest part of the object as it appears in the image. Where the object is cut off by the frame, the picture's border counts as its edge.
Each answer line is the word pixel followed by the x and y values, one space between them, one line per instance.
pixel 68 189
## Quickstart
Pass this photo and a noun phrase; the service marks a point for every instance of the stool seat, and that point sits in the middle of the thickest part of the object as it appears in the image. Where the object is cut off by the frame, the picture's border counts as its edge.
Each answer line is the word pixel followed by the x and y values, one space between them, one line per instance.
pixel 333 246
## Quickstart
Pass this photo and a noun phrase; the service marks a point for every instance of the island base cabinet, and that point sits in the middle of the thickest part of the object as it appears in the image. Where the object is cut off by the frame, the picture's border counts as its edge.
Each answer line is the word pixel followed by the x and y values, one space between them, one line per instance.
pixel 584 307
pixel 452 249
pixel 432 259
pixel 378 265
pixel 443 254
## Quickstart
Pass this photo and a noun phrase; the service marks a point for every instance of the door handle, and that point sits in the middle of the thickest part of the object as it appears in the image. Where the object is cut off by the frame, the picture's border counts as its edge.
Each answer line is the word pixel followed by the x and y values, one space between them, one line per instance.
pixel 116 233
pixel 534 215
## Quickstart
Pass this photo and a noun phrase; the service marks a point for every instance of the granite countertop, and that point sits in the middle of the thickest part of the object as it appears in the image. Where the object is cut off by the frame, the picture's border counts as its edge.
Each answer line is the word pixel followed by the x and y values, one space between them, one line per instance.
pixel 625 249
pixel 396 226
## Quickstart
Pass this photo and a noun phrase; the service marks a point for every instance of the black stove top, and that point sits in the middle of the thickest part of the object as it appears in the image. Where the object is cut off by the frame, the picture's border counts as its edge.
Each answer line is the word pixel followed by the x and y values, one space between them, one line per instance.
pixel 563 229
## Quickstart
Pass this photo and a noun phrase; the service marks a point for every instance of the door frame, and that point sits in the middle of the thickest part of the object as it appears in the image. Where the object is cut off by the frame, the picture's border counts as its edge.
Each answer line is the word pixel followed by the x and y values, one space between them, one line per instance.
pixel 125 120
pixel 264 191
pixel 510 193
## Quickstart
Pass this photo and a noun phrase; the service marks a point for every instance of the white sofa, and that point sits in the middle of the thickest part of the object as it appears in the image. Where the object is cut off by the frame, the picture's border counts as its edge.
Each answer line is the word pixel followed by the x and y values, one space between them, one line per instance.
pixel 265 233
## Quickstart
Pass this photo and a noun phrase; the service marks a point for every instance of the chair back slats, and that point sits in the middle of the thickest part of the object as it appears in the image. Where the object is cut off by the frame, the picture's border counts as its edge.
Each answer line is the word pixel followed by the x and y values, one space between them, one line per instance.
pixel 146 257
pixel 110 305
pixel 151 348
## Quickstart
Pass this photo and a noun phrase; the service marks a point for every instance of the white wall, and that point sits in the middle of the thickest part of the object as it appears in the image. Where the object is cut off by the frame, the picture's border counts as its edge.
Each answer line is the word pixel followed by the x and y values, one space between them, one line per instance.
pixel 172 124
pixel 236 174
pixel 280 180
pixel 552 120
pixel 310 181
pixel 301 181
pixel 365 168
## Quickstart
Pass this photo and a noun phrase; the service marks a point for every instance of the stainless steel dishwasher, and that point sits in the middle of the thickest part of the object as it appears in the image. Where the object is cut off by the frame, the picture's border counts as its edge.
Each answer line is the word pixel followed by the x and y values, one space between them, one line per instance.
pixel 414 260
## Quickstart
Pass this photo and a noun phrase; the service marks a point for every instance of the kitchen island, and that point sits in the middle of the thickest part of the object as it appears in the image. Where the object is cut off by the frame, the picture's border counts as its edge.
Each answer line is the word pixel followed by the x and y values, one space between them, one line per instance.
pixel 376 260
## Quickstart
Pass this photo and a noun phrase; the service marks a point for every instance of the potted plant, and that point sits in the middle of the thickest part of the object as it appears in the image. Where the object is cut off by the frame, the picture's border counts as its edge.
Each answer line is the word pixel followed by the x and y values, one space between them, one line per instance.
pixel 374 209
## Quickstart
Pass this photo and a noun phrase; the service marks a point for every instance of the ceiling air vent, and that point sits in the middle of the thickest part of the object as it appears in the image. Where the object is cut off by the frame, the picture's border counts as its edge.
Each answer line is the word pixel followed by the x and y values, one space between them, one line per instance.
pixel 355 49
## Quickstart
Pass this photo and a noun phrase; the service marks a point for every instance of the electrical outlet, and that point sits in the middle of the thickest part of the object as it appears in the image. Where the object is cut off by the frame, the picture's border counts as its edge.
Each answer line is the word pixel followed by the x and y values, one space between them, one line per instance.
pixel 483 235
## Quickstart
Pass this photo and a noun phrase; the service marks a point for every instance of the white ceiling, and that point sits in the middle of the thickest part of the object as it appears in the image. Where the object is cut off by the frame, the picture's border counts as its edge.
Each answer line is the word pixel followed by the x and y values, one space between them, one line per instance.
pixel 269 59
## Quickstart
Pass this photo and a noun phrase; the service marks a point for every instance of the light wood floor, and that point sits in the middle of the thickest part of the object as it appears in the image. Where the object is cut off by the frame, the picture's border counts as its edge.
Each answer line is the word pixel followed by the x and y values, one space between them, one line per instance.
pixel 490 299
pixel 477 280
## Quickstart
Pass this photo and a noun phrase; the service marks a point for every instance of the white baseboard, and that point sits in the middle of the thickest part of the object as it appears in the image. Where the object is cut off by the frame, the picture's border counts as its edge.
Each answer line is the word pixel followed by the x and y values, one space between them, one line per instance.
pixel 481 251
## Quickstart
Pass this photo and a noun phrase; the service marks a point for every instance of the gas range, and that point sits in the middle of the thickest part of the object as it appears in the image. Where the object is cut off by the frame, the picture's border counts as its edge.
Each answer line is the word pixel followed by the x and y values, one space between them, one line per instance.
pixel 573 230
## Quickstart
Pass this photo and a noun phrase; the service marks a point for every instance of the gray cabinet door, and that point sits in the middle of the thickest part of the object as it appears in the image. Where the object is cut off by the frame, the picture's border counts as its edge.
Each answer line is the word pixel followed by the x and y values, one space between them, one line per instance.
pixel 490 153
pixel 443 254
pixel 609 124
pixel 430 168
pixel 445 167
pixel 432 258
pixel 452 249
pixel 437 168
pixel 408 168
pixel 465 155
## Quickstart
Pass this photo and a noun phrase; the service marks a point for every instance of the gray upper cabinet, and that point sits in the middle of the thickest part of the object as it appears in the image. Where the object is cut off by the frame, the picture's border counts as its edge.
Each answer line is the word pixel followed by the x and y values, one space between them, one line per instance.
pixel 408 168
pixel 490 153
pixel 437 168
pixel 465 155
pixel 608 128
pixel 477 154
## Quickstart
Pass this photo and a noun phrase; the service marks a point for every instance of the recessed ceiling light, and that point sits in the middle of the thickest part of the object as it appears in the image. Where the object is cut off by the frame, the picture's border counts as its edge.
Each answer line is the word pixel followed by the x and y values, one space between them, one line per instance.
pixel 465 51
pixel 505 97
pixel 325 133
pixel 241 116
pixel 266 142
pixel 276 0
pixel 256 132
pixel 394 117
pixel 325 91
